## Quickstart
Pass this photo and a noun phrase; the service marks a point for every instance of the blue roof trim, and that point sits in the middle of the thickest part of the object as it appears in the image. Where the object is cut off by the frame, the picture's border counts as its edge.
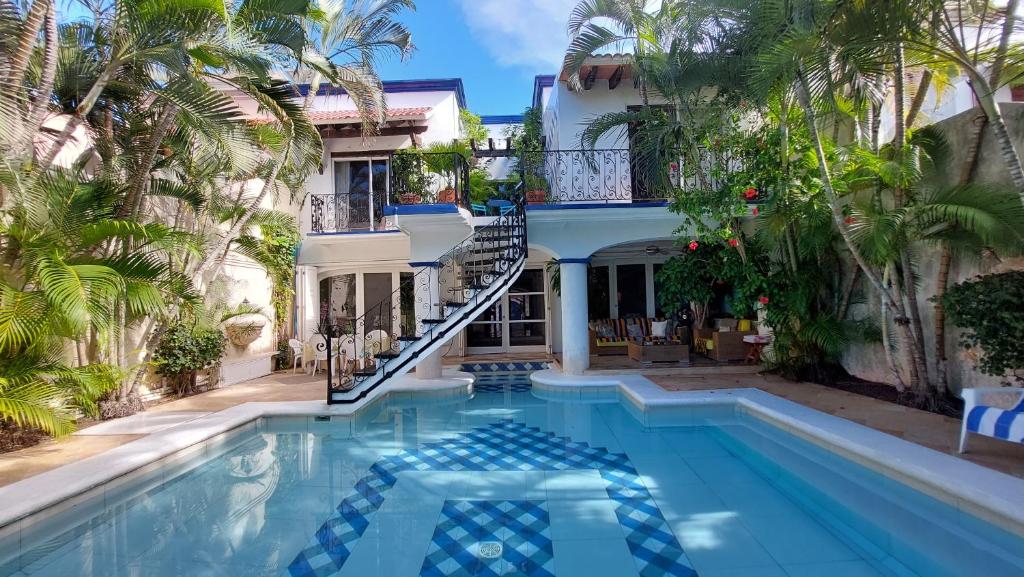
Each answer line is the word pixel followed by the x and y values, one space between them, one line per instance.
pixel 399 86
pixel 502 119
pixel 541 82
pixel 574 260
pixel 590 205
pixel 413 209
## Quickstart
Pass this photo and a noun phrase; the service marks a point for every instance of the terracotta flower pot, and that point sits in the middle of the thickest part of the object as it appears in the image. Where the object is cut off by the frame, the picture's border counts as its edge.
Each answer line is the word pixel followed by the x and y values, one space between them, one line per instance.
pixel 536 196
pixel 409 198
pixel 446 196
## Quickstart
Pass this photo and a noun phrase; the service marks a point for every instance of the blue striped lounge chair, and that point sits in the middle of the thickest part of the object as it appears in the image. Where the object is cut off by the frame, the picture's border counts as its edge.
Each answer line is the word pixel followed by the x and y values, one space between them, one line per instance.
pixel 994 412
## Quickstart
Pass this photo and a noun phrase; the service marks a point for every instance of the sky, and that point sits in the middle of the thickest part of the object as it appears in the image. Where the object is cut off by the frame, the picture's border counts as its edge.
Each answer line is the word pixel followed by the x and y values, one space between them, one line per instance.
pixel 495 46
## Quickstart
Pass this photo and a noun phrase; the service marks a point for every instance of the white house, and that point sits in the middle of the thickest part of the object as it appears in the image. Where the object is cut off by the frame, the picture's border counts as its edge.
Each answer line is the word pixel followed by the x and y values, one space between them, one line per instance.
pixel 452 279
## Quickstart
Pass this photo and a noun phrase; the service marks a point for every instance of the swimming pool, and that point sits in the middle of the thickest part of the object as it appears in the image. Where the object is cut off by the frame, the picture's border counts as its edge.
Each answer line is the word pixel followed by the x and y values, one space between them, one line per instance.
pixel 507 483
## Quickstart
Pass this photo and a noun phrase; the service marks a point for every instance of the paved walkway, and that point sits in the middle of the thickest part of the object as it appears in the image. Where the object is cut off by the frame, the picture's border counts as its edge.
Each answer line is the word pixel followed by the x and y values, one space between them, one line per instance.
pixel 927 429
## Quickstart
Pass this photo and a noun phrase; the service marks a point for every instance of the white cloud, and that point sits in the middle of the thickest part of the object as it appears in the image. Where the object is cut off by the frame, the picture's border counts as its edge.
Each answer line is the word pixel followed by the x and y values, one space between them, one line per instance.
pixel 527 33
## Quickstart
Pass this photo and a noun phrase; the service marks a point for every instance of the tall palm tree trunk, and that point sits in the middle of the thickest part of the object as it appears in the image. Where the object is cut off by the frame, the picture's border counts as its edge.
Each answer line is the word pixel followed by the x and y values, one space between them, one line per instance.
pixel 26 42
pixel 894 304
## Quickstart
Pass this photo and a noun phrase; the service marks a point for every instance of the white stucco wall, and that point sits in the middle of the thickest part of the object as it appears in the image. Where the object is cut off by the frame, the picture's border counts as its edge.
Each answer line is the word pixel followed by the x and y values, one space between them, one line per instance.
pixel 442 126
pixel 568 112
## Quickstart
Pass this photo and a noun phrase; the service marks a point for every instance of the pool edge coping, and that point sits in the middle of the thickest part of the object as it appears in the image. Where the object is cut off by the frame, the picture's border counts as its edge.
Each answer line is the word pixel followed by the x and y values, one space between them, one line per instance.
pixel 969 487
pixel 52 492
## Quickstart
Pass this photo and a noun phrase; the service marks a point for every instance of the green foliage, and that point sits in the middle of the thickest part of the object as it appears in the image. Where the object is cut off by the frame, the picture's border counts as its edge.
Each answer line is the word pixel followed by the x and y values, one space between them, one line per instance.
pixel 275 249
pixel 470 126
pixel 690 279
pixel 990 309
pixel 184 350
pixel 407 173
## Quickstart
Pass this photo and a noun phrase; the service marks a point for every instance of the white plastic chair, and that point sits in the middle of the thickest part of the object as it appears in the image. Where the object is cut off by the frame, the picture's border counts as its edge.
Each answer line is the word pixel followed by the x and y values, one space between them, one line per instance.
pixel 316 342
pixel 996 412
pixel 297 350
pixel 376 342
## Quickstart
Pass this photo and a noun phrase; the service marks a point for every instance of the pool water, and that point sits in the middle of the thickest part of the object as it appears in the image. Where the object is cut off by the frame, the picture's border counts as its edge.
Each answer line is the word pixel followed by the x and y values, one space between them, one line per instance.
pixel 506 483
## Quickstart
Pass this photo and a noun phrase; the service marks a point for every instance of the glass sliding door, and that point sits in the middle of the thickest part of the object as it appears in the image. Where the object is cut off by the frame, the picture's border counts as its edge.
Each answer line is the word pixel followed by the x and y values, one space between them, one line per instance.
pixel 527 310
pixel 360 193
pixel 516 322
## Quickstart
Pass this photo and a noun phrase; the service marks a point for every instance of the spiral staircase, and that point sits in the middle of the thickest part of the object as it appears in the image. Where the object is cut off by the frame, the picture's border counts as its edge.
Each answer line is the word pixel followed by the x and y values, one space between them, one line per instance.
pixel 448 293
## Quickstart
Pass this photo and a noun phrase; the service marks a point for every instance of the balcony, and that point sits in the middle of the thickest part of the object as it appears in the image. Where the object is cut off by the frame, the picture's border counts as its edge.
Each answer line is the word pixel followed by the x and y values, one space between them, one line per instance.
pixel 614 176
pixel 367 191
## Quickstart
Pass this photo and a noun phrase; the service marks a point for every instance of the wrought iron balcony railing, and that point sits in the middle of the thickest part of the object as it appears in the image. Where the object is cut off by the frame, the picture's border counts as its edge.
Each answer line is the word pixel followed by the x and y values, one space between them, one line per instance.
pixel 616 176
pixel 412 177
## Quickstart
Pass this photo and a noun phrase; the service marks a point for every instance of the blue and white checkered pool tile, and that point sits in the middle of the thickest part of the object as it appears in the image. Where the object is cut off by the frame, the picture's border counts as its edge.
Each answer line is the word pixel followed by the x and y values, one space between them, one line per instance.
pixel 502 446
pixel 517 533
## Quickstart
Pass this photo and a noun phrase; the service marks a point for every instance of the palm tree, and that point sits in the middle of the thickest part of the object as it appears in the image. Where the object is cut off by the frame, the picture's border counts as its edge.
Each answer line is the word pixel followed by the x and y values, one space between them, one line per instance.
pixel 347 41
pixel 982 41
pixel 596 25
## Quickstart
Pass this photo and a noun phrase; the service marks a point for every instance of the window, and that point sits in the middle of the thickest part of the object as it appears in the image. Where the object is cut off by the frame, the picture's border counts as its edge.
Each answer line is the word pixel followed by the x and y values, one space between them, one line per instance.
pixel 360 193
pixel 338 299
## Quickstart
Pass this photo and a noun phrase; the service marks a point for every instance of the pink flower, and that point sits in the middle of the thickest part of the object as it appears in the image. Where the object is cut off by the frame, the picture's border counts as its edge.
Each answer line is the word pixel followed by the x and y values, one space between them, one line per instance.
pixel 674 165
pixel 763 300
pixel 693 245
pixel 750 193
pixel 756 212
pixel 849 220
pixel 733 242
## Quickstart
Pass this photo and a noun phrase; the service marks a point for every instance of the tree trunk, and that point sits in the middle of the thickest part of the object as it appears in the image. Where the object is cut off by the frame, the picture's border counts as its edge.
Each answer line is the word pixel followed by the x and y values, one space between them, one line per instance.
pixel 83 110
pixel 844 305
pixel 946 260
pixel 1007 148
pixel 214 256
pixel 890 361
pixel 41 103
pixel 919 96
pixel 803 94
pixel 894 304
pixel 942 279
pixel 141 175
pixel 18 63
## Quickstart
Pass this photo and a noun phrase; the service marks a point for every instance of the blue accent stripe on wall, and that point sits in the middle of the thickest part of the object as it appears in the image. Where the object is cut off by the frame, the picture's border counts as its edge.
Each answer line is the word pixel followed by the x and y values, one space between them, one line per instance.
pixel 410 209
pixel 574 260
pixel 424 263
pixel 502 119
pixel 539 84
pixel 399 86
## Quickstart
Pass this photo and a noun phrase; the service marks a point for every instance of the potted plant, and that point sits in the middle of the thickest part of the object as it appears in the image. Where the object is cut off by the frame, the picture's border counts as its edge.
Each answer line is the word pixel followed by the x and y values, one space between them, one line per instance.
pixel 407 176
pixel 447 160
pixel 536 189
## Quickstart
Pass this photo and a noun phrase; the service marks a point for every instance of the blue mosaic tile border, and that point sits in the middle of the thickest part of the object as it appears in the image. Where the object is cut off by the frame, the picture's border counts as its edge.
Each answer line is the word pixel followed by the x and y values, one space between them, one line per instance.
pixel 503 446
pixel 517 366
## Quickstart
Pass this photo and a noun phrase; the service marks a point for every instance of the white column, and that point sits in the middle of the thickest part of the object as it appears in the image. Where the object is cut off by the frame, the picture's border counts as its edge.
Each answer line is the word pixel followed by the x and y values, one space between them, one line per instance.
pixel 575 337
pixel 309 302
pixel 428 304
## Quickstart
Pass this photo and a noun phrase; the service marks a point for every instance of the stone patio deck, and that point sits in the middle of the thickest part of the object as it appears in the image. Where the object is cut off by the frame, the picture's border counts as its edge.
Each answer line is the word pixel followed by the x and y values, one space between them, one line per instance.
pixel 934 431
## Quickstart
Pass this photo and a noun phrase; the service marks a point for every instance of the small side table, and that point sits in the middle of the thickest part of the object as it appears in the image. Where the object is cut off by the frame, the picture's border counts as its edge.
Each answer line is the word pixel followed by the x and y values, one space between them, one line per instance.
pixel 755 345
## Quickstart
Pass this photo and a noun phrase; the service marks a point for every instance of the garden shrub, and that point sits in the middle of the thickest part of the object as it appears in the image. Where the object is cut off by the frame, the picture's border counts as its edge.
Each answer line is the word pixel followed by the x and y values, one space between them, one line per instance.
pixel 184 351
pixel 990 309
